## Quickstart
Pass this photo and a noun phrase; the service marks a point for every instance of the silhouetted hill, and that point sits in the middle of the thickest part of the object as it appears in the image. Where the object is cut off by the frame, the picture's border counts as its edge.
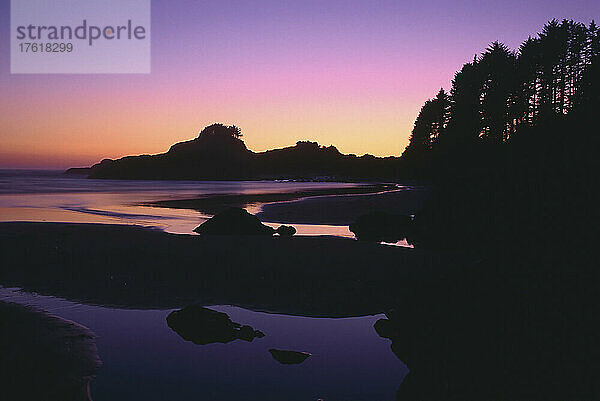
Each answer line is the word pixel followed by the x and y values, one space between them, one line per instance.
pixel 308 160
pixel 218 153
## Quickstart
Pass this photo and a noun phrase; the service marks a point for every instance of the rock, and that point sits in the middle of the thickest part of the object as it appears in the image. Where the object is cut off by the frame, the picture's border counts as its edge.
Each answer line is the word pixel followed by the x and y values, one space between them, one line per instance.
pixel 247 333
pixel 289 357
pixel 381 226
pixel 206 326
pixel 234 221
pixel 386 329
pixel 285 231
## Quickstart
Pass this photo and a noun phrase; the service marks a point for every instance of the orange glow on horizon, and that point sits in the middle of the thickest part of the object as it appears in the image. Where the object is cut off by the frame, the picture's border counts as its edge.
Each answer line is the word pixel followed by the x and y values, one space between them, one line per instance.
pixel 79 132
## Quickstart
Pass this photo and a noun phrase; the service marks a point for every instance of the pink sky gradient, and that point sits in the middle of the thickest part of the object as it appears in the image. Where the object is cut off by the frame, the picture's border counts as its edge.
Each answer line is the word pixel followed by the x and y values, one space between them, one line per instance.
pixel 352 73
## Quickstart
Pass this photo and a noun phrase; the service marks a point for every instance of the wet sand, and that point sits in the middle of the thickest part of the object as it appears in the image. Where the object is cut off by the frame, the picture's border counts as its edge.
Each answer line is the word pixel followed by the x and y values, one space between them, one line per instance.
pixel 129 266
pixel 343 209
pixel 213 203
pixel 44 356
pixel 332 206
pixel 513 325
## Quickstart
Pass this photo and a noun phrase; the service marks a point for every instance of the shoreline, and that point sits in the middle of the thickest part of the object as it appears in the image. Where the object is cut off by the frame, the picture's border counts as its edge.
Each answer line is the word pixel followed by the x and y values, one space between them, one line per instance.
pixel 213 203
pixel 343 210
pixel 318 211
pixel 332 206
pixel 47 357
pixel 176 208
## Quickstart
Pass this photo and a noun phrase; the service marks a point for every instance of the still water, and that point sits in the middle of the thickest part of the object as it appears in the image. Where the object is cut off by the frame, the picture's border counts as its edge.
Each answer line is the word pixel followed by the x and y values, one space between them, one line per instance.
pixel 37 195
pixel 143 359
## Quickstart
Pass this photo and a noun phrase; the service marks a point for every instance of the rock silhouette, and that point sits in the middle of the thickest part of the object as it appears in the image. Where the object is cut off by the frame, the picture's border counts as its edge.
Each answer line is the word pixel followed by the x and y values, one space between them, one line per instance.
pixel 289 357
pixel 285 231
pixel 205 326
pixel 386 329
pixel 234 221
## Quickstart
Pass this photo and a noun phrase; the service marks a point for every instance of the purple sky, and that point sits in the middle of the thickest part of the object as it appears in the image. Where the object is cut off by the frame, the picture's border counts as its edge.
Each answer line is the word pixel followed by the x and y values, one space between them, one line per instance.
pixel 349 73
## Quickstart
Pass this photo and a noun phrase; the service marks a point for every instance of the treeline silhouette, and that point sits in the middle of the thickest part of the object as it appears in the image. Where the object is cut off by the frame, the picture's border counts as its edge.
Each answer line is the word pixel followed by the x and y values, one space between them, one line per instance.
pixel 502 92
pixel 511 152
pixel 511 148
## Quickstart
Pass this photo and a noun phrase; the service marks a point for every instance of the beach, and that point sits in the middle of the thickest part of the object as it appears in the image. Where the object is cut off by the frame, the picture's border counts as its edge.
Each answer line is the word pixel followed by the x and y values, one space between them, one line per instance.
pixel 344 209
pixel 85 249
pixel 316 294
pixel 153 234
pixel 180 206
pixel 152 269
pixel 365 305
pixel 342 300
pixel 151 261
pixel 119 256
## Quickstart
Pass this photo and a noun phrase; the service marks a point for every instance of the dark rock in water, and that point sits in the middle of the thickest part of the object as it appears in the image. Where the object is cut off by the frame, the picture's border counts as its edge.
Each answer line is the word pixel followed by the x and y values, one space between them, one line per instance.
pixel 234 221
pixel 206 326
pixel 247 333
pixel 78 171
pixel 386 329
pixel 44 357
pixel 381 226
pixel 289 357
pixel 285 231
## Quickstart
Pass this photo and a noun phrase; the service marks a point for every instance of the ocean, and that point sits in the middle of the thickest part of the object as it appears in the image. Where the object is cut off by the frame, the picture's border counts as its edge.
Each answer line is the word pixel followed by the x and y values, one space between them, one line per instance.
pixel 144 359
pixel 50 195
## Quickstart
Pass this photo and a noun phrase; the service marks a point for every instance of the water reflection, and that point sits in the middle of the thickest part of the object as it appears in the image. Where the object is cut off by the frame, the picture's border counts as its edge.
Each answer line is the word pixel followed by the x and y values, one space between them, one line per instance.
pixel 205 326
pixel 53 196
pixel 145 360
pixel 286 357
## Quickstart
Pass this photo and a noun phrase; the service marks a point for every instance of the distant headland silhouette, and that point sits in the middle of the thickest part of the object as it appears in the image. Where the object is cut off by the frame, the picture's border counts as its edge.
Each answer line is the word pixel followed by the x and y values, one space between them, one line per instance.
pixel 219 153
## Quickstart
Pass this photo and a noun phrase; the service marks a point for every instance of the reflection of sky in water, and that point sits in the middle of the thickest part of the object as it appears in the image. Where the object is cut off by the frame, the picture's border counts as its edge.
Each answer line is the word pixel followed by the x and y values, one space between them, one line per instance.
pixel 145 360
pixel 52 196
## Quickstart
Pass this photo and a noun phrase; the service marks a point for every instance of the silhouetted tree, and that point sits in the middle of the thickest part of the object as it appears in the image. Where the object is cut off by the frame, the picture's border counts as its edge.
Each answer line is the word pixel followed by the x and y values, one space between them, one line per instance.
pixel 528 67
pixel 497 67
pixel 464 118
pixel 588 95
pixel 219 129
pixel 430 124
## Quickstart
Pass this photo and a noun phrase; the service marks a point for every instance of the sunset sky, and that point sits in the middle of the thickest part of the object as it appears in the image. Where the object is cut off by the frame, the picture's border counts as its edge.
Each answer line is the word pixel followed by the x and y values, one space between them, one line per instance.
pixel 349 73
